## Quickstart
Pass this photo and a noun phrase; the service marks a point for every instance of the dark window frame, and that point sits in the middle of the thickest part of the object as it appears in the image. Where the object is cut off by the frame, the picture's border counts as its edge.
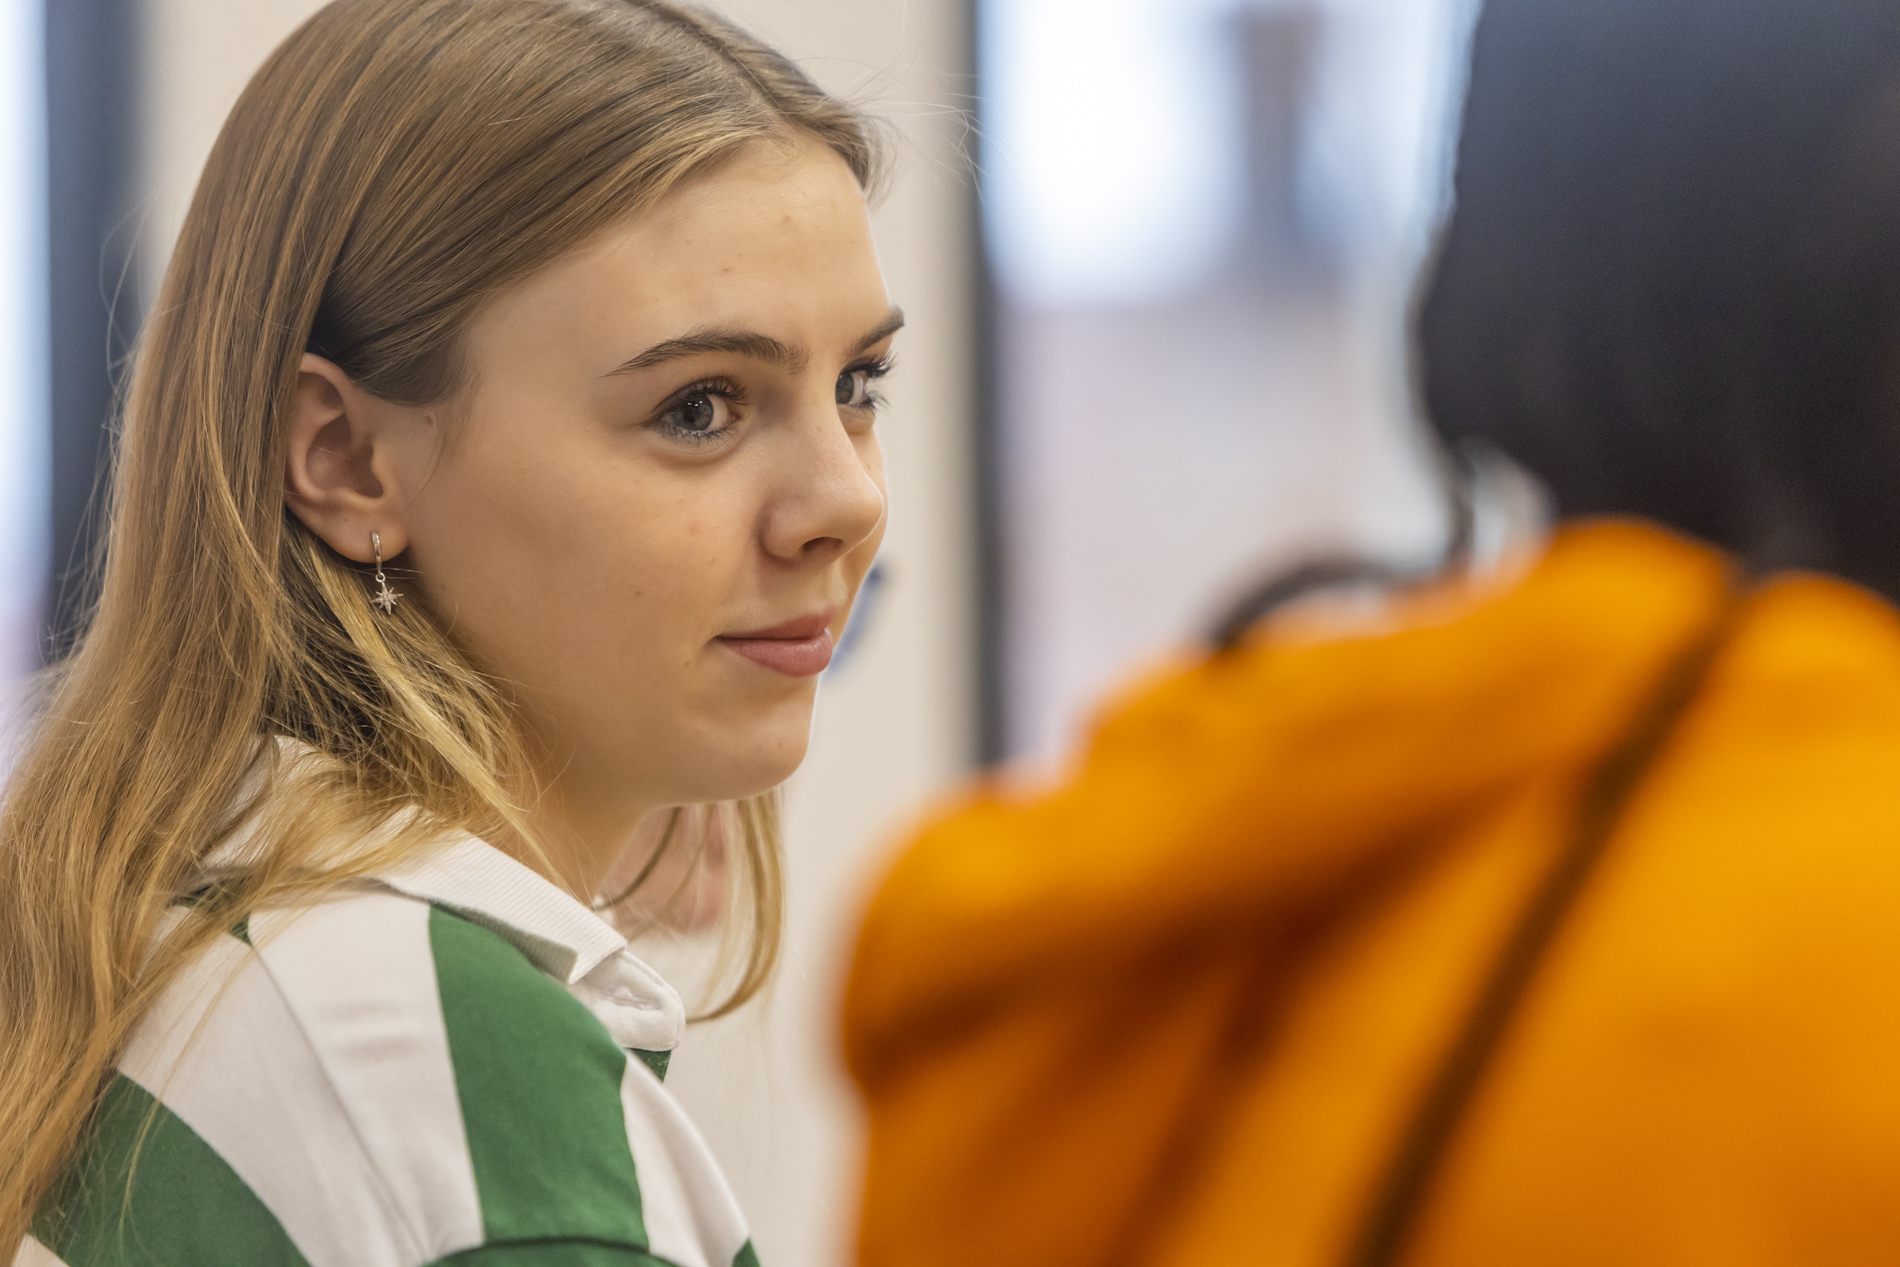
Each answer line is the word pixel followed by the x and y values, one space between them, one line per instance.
pixel 92 91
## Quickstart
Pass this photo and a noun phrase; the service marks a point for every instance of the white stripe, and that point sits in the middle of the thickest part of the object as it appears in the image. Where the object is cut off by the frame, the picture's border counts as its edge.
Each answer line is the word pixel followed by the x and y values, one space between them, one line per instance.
pixel 34 1254
pixel 359 977
pixel 221 1050
pixel 692 1218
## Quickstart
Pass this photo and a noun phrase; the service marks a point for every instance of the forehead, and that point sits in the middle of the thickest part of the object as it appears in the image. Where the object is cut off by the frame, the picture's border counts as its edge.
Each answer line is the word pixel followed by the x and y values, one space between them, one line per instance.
pixel 776 238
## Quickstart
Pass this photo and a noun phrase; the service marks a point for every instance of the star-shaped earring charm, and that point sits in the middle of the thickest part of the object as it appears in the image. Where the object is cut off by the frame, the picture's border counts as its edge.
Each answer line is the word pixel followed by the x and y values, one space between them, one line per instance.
pixel 385 597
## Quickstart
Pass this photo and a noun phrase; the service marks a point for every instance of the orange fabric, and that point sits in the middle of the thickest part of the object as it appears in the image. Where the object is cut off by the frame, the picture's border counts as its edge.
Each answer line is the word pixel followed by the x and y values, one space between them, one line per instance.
pixel 1328 839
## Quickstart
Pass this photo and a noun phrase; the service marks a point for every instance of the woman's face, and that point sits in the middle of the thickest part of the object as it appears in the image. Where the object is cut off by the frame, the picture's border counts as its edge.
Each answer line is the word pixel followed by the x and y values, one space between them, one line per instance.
pixel 668 443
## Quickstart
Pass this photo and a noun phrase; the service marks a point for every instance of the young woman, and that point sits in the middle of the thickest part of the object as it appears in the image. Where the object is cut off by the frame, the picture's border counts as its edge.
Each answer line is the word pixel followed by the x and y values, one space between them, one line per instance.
pixel 497 469
pixel 1553 922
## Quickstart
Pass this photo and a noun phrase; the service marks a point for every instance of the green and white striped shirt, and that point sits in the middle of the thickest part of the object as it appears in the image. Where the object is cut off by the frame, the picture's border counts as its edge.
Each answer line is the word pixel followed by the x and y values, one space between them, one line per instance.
pixel 459 1063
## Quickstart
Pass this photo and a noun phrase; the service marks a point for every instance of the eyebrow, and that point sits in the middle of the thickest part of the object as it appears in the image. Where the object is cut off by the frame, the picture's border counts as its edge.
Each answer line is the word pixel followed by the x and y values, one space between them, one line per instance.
pixel 747 343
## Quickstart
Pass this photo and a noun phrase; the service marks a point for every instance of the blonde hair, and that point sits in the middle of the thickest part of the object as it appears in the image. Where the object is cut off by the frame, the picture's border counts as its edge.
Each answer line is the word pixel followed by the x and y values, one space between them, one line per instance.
pixel 391 166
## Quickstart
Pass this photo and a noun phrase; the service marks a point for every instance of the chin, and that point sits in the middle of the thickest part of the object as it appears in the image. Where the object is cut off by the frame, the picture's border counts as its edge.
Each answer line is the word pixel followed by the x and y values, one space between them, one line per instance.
pixel 754 760
pixel 754 776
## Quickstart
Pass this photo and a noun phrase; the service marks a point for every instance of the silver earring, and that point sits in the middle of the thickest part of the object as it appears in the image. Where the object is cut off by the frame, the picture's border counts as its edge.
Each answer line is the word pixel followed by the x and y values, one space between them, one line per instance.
pixel 385 597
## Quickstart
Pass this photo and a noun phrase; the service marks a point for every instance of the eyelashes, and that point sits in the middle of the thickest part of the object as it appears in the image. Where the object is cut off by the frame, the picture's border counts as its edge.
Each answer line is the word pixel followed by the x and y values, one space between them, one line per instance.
pixel 872 401
pixel 677 419
pixel 702 414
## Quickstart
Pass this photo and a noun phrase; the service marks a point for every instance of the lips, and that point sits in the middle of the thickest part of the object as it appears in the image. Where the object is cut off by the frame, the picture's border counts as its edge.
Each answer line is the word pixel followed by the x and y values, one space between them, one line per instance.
pixel 809 626
pixel 796 648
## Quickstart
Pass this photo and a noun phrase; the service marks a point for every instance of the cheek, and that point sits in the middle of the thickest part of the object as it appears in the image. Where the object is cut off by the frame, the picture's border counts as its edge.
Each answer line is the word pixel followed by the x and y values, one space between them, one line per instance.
pixel 581 573
pixel 644 582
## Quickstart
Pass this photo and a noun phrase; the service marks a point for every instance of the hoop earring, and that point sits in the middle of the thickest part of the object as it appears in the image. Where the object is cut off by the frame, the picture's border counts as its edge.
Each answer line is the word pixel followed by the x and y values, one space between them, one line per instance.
pixel 385 597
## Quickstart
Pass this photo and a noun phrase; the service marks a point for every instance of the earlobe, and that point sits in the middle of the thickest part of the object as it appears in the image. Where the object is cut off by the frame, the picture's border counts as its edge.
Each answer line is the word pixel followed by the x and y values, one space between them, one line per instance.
pixel 335 463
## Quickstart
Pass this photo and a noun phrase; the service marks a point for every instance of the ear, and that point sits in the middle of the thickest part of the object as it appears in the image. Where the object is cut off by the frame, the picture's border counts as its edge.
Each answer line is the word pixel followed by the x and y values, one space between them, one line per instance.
pixel 341 477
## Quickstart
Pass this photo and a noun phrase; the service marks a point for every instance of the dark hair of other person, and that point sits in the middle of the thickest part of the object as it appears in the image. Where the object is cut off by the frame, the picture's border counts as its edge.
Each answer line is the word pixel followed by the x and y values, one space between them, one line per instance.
pixel 1669 285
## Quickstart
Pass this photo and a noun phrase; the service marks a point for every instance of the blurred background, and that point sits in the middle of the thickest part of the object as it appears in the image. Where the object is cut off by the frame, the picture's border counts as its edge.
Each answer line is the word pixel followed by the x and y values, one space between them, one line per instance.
pixel 1156 255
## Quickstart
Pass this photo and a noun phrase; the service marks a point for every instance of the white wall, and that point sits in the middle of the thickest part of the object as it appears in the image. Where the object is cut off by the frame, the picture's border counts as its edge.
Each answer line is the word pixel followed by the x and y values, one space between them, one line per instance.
pixel 897 724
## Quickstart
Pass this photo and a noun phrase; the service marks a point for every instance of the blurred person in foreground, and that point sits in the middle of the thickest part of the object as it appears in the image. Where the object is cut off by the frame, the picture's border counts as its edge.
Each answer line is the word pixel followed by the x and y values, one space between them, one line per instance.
pixel 1552 921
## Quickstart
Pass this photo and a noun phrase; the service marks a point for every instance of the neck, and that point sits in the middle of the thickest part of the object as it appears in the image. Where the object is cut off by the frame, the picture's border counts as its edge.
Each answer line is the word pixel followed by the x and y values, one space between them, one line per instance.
pixel 586 831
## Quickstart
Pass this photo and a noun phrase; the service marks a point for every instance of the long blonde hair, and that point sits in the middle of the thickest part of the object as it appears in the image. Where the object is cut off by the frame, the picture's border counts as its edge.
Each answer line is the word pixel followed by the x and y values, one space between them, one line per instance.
pixel 392 165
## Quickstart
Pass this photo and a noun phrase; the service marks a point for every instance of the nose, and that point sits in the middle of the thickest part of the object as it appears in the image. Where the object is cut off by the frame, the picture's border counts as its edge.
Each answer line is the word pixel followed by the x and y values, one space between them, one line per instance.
pixel 830 498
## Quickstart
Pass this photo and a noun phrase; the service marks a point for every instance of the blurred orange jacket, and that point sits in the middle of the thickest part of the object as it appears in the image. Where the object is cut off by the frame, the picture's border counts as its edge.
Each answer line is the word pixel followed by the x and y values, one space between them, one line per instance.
pixel 1180 1008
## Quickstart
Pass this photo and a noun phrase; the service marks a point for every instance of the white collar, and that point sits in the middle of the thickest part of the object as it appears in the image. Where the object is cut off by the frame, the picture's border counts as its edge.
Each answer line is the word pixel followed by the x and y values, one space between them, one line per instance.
pixel 558 933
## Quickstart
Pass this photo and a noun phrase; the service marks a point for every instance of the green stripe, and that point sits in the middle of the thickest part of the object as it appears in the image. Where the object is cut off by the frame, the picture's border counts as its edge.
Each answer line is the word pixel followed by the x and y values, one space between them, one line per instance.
pixel 654 1060
pixel 240 930
pixel 186 1204
pixel 555 1253
pixel 539 1082
pixel 195 897
pixel 746 1257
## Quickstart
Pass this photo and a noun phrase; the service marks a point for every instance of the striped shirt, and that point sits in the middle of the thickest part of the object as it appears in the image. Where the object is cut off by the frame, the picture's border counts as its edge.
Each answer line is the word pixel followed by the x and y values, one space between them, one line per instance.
pixel 456 1063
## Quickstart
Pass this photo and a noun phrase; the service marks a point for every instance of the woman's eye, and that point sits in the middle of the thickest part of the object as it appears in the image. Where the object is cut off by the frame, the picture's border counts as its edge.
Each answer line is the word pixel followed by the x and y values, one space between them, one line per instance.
pixel 855 386
pixel 698 412
pixel 700 416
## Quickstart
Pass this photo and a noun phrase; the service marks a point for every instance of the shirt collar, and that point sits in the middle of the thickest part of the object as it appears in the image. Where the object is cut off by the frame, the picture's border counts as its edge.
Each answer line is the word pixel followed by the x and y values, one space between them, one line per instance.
pixel 556 931
pixel 549 925
pixel 559 934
